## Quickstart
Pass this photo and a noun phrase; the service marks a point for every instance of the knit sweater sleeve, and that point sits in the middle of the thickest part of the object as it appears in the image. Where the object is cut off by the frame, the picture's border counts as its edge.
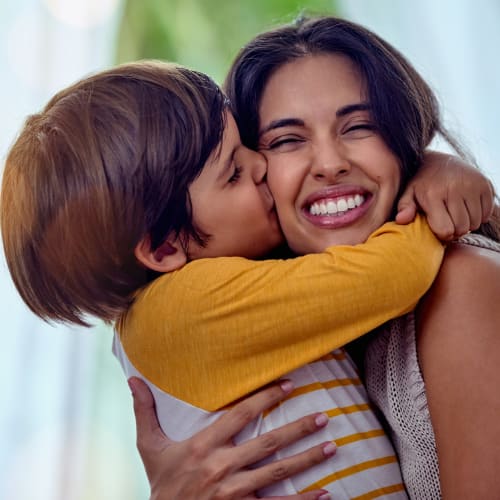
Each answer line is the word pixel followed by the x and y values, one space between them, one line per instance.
pixel 220 328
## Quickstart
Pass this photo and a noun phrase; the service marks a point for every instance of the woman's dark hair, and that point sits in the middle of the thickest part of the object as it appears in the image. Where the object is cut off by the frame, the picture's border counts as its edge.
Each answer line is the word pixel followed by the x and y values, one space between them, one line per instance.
pixel 106 163
pixel 403 106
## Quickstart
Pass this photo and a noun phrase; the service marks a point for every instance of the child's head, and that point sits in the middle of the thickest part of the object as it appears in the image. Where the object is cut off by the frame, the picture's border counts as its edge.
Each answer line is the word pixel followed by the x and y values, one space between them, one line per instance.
pixel 96 190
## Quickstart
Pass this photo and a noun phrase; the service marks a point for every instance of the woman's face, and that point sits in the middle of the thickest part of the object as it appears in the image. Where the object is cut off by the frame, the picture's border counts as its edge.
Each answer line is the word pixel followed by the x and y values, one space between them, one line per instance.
pixel 333 178
pixel 232 203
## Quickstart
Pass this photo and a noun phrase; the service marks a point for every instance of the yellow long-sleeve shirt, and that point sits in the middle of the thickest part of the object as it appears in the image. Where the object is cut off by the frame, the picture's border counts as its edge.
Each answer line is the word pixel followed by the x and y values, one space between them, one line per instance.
pixel 217 329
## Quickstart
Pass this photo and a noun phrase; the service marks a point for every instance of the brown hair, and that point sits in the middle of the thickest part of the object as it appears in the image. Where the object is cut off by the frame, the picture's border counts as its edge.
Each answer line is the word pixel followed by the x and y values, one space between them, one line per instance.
pixel 108 161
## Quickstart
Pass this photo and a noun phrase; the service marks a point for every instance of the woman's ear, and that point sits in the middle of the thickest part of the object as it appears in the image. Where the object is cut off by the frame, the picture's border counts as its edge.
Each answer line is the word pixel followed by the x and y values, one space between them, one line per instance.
pixel 168 257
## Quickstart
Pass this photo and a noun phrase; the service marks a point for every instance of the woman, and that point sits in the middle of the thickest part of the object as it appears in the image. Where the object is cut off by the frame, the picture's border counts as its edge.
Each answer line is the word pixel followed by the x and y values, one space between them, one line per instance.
pixel 266 85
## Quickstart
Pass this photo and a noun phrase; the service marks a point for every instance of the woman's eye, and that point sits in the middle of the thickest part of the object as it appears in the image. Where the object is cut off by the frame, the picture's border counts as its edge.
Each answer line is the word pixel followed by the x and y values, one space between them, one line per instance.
pixel 279 143
pixel 360 128
pixel 235 175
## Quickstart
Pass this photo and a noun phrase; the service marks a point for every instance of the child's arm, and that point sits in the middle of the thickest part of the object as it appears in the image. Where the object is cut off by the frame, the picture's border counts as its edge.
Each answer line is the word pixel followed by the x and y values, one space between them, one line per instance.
pixel 455 196
pixel 218 329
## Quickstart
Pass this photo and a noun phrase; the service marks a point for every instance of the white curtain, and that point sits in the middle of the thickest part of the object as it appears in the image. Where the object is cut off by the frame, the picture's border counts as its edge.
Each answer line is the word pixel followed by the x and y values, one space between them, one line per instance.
pixel 66 426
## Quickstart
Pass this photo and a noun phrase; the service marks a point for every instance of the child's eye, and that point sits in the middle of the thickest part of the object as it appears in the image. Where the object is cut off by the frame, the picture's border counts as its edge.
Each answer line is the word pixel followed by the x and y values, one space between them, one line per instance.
pixel 235 175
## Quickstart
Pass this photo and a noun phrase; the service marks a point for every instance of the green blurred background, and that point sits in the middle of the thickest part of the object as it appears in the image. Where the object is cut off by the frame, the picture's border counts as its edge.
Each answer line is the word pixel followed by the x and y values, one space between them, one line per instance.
pixel 204 35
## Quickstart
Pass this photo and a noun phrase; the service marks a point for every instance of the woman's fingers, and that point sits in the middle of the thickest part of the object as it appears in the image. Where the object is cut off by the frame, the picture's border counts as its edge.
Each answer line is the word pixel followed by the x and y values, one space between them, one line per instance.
pixel 266 444
pixel 208 465
pixel 241 414
pixel 287 467
pixel 149 433
pixel 249 480
pixel 225 467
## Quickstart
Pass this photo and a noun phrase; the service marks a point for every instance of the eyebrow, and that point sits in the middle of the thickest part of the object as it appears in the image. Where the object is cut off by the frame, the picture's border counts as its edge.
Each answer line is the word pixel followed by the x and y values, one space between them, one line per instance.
pixel 283 122
pixel 351 108
pixel 296 122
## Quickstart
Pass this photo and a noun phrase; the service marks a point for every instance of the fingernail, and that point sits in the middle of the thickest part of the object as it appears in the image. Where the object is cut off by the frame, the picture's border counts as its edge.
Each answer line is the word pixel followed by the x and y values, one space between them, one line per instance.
pixel 286 386
pixel 321 420
pixel 329 449
pixel 325 496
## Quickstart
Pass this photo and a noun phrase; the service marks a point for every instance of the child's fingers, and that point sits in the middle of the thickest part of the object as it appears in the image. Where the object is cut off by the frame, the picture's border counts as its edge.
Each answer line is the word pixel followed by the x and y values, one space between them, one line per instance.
pixel 406 214
pixel 487 204
pixel 439 220
pixel 475 212
pixel 459 215
pixel 407 206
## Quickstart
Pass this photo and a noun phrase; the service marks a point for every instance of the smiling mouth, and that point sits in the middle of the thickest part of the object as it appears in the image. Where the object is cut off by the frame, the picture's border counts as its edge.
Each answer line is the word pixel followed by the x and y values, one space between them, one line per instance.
pixel 337 206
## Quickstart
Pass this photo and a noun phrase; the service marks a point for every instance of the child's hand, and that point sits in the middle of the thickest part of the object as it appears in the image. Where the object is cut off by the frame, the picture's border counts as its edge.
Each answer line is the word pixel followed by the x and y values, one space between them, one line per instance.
pixel 455 197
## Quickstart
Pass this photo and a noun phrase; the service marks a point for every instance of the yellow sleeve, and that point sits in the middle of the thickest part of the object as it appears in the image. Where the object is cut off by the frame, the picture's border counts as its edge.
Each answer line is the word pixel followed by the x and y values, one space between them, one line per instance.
pixel 220 328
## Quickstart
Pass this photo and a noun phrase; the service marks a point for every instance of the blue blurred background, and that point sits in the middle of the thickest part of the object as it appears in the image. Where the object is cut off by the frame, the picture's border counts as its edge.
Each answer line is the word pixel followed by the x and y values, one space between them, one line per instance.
pixel 66 425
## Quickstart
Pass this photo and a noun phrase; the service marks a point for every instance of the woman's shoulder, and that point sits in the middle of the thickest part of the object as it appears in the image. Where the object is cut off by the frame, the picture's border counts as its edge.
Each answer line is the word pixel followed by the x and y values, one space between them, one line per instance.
pixel 469 265
pixel 466 292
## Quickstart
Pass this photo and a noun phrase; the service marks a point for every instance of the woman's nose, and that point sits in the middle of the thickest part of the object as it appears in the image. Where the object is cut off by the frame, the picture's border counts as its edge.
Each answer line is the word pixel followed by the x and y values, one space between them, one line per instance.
pixel 329 161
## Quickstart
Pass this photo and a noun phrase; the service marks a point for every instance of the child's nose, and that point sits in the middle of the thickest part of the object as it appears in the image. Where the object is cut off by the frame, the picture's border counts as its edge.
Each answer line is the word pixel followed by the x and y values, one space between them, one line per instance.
pixel 257 164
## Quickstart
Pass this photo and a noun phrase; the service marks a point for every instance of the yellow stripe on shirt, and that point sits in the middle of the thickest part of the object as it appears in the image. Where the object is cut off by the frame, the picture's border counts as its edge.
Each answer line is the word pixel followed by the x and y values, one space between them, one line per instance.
pixel 359 436
pixel 335 412
pixel 330 384
pixel 394 488
pixel 338 355
pixel 349 471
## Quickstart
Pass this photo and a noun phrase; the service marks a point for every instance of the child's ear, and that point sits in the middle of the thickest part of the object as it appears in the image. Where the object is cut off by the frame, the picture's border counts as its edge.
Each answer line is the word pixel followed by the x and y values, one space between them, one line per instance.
pixel 168 257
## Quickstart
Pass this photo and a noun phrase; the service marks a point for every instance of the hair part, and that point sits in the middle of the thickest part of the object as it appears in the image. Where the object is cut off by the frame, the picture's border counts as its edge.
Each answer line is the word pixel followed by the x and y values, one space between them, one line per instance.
pixel 108 161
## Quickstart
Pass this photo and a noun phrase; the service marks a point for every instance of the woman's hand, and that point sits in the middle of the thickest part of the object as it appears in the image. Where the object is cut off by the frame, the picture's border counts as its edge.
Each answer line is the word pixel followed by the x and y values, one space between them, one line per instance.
pixel 455 196
pixel 208 465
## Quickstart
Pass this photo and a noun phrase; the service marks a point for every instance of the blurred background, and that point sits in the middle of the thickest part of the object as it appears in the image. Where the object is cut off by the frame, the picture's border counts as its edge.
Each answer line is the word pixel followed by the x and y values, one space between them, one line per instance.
pixel 66 424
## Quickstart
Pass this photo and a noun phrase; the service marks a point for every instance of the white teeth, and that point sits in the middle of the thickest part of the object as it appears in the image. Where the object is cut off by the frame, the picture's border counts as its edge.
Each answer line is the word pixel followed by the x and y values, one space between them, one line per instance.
pixel 339 206
pixel 342 206
pixel 331 207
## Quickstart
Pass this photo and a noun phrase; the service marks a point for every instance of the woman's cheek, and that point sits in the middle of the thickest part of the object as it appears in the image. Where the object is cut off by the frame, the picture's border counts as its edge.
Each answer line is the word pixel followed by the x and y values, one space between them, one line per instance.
pixel 274 176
